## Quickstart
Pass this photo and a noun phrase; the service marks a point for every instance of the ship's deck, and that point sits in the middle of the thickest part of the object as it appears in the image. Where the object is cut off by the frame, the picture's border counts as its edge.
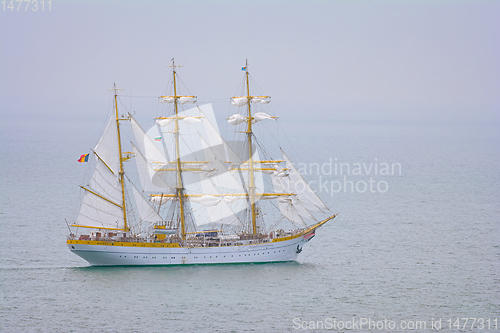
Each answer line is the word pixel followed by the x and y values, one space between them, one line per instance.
pixel 175 241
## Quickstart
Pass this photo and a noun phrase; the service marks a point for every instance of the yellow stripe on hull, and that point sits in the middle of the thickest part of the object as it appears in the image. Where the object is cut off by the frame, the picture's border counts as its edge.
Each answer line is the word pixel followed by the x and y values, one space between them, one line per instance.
pixel 128 244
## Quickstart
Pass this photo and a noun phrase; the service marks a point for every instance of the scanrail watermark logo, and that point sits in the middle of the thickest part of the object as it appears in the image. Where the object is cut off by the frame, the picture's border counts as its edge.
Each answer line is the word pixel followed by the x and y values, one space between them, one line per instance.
pixel 343 177
pixel 384 325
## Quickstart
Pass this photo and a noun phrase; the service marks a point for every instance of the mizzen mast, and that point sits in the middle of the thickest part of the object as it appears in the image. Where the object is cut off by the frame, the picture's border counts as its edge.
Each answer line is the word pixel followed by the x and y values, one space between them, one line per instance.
pixel 250 155
pixel 180 186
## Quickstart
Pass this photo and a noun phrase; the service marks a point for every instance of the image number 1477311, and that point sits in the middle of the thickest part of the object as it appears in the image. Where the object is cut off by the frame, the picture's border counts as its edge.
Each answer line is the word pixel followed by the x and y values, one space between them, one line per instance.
pixel 27 5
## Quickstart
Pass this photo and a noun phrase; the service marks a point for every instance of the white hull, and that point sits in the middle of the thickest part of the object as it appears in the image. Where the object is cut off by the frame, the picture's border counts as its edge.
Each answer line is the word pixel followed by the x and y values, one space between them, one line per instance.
pixel 106 255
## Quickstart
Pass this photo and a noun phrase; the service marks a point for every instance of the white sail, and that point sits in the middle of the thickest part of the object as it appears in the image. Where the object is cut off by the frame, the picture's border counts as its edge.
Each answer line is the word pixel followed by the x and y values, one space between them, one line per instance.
pixel 261 116
pixel 180 99
pixel 161 172
pixel 205 177
pixel 293 202
pixel 239 101
pixel 164 122
pixel 107 148
pixel 167 99
pixel 146 212
pixel 99 213
pixel 213 208
pixel 258 176
pixel 304 193
pixel 261 99
pixel 236 119
pixel 102 201
pixel 146 146
pixel 151 181
pixel 285 205
pixel 105 183
pixel 187 99
pixel 219 174
pixel 221 181
pixel 191 120
pixel 153 146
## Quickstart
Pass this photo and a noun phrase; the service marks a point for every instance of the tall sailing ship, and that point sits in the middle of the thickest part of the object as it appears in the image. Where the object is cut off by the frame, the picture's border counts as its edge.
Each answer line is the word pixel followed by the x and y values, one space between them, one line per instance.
pixel 192 197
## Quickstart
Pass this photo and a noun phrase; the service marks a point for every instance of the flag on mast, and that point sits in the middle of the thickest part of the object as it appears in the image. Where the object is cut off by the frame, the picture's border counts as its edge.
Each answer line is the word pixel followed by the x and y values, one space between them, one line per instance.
pixel 84 158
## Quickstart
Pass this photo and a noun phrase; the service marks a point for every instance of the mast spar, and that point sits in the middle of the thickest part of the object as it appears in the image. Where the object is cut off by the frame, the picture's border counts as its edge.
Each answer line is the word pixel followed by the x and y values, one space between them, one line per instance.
pixel 120 172
pixel 250 155
pixel 180 186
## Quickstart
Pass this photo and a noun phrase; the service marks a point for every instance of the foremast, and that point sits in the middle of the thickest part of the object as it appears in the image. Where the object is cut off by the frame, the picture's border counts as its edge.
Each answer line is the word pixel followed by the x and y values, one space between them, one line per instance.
pixel 104 200
pixel 121 171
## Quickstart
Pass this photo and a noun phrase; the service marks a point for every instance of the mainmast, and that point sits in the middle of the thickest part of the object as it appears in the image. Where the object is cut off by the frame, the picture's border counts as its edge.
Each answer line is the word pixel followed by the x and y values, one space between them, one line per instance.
pixel 250 155
pixel 120 172
pixel 180 186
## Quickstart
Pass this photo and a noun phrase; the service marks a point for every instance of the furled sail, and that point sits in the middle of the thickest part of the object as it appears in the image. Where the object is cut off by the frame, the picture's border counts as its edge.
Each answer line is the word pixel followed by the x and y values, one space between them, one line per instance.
pixel 236 119
pixel 261 99
pixel 240 101
pixel 180 99
pixel 261 116
pixel 167 99
pixel 187 99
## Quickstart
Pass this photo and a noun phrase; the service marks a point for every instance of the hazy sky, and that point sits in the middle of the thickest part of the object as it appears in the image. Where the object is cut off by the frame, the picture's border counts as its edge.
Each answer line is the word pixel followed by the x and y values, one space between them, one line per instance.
pixel 383 60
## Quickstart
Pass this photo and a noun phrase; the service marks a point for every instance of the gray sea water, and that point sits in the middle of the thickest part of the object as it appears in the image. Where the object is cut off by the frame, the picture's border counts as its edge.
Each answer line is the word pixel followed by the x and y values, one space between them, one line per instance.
pixel 418 248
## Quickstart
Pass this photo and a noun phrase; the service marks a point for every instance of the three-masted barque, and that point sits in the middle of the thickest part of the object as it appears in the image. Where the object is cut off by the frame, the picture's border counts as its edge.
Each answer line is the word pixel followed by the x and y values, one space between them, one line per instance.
pixel 192 197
